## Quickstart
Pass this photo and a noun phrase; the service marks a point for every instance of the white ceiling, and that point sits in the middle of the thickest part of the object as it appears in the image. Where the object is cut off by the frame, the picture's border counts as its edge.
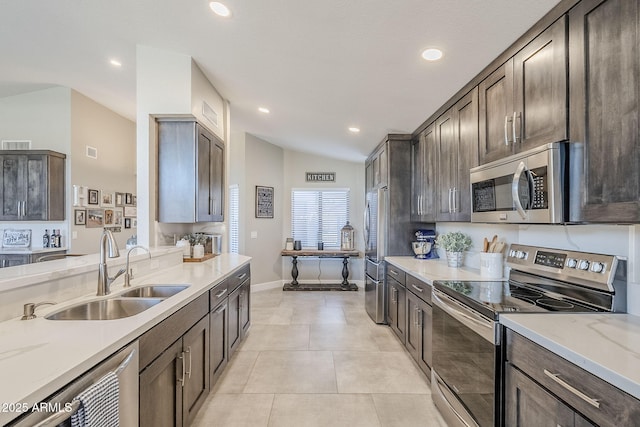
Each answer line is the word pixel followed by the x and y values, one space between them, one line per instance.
pixel 319 66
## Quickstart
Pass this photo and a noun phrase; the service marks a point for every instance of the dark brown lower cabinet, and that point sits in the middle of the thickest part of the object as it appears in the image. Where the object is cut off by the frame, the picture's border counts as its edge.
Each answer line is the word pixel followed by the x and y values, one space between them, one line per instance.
pixel 177 381
pixel 161 390
pixel 239 315
pixel 219 351
pixel 419 332
pixel 542 388
pixel 419 324
pixel 528 404
pixel 396 309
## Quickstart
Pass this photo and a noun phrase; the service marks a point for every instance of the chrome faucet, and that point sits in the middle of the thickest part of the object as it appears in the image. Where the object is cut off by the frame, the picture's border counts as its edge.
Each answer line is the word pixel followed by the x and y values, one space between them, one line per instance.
pixel 128 274
pixel 107 243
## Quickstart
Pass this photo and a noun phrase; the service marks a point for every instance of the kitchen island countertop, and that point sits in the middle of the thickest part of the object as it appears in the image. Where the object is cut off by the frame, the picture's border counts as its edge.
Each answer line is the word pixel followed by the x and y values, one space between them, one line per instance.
pixel 604 344
pixel 40 356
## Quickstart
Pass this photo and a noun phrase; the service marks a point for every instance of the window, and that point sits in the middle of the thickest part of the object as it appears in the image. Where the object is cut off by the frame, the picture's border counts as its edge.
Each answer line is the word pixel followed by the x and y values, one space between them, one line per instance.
pixel 234 219
pixel 318 216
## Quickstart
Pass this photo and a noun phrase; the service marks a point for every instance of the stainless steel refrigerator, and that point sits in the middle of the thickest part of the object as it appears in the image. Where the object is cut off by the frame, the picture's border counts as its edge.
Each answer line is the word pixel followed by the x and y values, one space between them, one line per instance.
pixel 375 232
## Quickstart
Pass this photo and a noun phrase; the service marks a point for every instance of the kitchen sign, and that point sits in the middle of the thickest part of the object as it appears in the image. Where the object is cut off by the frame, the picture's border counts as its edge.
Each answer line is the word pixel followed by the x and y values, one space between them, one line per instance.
pixel 321 176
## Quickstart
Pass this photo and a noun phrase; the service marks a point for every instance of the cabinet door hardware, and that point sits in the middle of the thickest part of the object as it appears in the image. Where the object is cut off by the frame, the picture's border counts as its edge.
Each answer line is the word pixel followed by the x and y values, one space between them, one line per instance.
pixel 556 377
pixel 507 119
pixel 189 353
pixel 181 357
pixel 516 116
pixel 222 292
pixel 417 288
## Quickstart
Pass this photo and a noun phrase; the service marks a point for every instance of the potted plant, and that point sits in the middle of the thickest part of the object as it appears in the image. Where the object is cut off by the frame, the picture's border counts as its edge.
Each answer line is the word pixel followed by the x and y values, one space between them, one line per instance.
pixel 454 243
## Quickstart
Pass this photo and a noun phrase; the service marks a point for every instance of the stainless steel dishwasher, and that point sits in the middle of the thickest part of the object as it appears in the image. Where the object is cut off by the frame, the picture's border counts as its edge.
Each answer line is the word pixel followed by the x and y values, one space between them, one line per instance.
pixel 124 363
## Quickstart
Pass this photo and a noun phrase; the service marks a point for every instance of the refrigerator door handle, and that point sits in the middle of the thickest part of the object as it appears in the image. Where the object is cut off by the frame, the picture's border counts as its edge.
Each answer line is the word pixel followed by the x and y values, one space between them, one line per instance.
pixel 367 217
pixel 382 223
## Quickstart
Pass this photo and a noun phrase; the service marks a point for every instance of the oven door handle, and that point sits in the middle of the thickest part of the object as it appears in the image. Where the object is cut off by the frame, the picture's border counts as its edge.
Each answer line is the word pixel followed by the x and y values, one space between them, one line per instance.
pixel 473 320
pixel 514 190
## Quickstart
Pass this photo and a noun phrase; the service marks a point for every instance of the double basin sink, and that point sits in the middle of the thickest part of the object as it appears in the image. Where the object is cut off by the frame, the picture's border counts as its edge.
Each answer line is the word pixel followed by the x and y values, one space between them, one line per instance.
pixel 126 304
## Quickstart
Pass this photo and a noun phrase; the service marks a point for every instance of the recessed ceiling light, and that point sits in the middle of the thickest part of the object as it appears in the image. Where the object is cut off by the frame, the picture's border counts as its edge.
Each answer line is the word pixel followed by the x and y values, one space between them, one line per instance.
pixel 115 63
pixel 220 9
pixel 263 110
pixel 432 54
pixel 354 129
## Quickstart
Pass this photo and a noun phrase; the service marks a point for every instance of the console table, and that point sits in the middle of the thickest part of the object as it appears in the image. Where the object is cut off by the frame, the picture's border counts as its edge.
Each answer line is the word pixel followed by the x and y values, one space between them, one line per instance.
pixel 345 255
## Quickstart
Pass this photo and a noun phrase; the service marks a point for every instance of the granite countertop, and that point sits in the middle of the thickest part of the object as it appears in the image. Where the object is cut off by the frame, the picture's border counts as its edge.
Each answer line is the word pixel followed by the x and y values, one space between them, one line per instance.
pixel 40 356
pixel 430 270
pixel 605 344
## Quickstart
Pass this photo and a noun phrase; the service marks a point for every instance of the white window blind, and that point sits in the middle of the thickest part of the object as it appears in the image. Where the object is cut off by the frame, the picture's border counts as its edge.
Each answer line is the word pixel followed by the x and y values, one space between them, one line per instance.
pixel 234 218
pixel 318 216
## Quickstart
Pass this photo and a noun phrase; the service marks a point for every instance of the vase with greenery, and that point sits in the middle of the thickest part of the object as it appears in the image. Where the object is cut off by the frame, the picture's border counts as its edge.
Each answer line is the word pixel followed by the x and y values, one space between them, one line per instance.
pixel 454 243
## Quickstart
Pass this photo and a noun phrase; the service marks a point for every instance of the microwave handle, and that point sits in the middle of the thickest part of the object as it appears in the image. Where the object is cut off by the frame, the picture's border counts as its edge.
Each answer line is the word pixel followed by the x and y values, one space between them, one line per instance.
pixel 514 190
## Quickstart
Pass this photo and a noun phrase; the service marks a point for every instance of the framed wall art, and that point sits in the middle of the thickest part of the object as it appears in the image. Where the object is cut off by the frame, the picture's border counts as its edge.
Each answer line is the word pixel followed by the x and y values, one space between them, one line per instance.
pixel 127 223
pixel 119 199
pixel 108 217
pixel 95 218
pixel 107 199
pixel 264 202
pixel 80 217
pixel 93 197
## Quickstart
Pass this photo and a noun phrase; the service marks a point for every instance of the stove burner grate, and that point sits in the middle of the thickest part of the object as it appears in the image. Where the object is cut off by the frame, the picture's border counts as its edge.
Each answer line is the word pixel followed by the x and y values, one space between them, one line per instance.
pixel 554 304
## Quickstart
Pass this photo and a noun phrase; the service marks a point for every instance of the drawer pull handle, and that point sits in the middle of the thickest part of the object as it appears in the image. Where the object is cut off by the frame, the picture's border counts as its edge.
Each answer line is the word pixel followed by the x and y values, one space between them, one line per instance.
pixel 222 292
pixel 581 395
pixel 417 288
pixel 242 276
pixel 220 309
pixel 395 273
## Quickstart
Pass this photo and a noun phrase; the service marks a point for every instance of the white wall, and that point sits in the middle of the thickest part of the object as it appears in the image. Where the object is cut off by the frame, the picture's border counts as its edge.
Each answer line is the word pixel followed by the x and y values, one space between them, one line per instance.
pixel 263 166
pixel 114 137
pixel 621 240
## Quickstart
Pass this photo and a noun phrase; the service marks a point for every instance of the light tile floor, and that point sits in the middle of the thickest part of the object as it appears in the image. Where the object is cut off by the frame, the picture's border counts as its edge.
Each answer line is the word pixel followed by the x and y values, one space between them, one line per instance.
pixel 316 359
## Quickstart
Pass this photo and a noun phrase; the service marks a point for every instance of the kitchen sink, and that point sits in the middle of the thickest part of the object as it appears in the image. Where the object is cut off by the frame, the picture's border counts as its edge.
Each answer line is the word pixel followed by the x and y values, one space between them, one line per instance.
pixel 108 309
pixel 154 291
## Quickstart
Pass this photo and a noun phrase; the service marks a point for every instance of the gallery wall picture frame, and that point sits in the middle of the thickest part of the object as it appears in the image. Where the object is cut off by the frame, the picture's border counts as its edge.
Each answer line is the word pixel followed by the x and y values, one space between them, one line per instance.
pixel 134 222
pixel 264 202
pixel 130 211
pixel 107 199
pixel 109 217
pixel 118 216
pixel 93 197
pixel 95 218
pixel 127 223
pixel 119 200
pixel 80 217
pixel 128 199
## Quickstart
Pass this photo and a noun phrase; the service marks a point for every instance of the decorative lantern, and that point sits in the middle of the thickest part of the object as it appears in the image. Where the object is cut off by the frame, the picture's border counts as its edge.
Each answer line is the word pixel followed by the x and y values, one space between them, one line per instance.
pixel 347 234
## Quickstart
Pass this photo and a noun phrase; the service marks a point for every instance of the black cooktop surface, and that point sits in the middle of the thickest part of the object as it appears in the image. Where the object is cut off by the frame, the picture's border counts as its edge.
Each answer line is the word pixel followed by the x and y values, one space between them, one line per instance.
pixel 492 298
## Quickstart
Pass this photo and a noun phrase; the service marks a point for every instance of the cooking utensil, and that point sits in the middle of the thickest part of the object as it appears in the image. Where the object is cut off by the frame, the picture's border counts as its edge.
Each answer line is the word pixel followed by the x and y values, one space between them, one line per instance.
pixel 485 245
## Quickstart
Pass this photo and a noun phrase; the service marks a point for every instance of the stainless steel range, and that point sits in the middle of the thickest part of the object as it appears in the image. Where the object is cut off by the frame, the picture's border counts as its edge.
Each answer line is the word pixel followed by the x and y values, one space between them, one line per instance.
pixel 467 352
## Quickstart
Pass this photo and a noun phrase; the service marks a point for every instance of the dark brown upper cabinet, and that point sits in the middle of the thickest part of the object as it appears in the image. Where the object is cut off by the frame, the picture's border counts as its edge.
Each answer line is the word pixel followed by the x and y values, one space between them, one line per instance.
pixel 423 176
pixel 604 47
pixel 456 135
pixel 523 103
pixel 32 186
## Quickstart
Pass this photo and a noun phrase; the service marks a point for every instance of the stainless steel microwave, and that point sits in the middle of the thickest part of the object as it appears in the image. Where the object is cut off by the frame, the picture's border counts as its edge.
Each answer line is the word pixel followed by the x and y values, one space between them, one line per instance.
pixel 538 186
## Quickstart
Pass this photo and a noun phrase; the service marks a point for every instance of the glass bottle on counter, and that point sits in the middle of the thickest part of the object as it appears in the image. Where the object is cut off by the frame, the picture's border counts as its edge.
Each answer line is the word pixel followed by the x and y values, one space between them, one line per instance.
pixel 45 239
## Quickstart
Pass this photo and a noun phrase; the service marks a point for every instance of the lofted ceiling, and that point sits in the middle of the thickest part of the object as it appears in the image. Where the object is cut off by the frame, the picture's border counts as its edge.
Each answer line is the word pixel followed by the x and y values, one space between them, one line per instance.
pixel 319 66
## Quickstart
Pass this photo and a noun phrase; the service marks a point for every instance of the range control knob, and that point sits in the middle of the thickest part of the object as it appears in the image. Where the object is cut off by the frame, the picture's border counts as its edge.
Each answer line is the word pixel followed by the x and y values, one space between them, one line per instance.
pixel 521 255
pixel 597 267
pixel 583 264
pixel 572 263
pixel 512 253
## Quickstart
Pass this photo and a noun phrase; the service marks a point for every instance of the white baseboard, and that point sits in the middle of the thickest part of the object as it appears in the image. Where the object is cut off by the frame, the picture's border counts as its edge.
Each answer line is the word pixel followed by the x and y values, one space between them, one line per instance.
pixel 258 287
